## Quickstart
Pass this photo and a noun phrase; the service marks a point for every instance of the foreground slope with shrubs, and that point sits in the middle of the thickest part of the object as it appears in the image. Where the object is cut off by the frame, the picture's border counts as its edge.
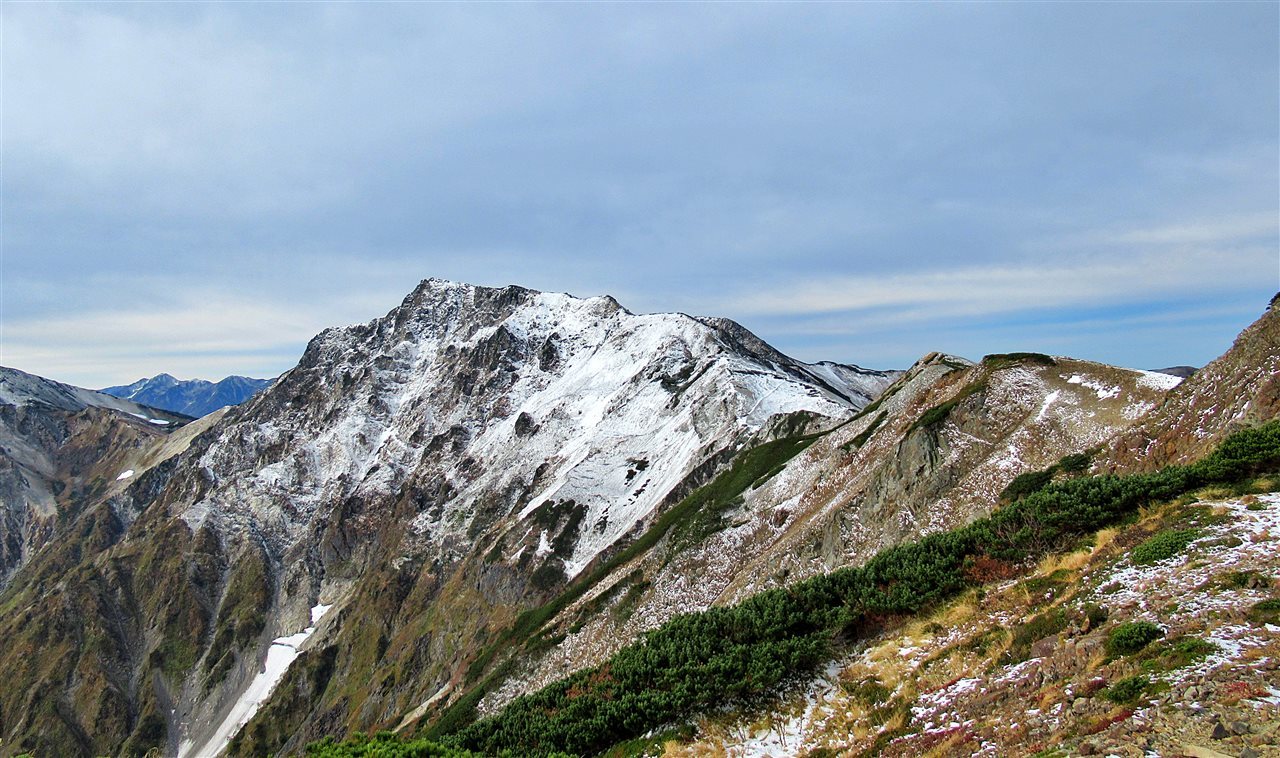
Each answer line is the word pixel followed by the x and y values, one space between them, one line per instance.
pixel 1090 652
pixel 742 654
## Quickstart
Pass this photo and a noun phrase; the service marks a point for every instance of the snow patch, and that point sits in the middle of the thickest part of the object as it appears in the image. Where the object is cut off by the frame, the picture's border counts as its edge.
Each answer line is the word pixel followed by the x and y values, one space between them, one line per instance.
pixel 1156 380
pixel 1048 401
pixel 1104 391
pixel 124 475
pixel 282 653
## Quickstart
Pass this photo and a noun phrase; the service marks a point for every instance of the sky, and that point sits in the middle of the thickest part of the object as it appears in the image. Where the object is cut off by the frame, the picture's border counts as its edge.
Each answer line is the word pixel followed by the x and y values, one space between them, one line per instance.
pixel 199 188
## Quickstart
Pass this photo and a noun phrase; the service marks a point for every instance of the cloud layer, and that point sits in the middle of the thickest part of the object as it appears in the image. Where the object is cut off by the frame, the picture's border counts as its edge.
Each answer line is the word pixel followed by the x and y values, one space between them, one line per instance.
pixel 197 188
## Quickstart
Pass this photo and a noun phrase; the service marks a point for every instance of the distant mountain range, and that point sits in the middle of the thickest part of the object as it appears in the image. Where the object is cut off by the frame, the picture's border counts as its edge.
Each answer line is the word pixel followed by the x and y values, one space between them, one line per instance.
pixel 192 397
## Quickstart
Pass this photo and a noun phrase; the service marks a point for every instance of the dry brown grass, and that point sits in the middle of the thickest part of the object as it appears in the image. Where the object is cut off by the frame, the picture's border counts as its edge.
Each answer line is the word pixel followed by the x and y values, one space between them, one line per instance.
pixel 1069 561
pixel 1103 538
pixel 896 721
pixel 958 611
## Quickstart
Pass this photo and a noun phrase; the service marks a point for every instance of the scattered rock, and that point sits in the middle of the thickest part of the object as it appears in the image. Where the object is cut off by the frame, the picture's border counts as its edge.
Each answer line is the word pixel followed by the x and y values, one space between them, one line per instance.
pixel 1196 751
pixel 1219 732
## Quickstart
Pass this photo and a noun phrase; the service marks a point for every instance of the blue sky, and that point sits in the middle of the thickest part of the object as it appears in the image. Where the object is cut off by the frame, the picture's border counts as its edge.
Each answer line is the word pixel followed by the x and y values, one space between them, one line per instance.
pixel 198 188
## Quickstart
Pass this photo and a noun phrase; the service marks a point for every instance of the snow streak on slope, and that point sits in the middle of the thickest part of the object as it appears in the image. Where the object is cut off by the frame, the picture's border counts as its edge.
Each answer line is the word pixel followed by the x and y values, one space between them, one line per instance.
pixel 282 653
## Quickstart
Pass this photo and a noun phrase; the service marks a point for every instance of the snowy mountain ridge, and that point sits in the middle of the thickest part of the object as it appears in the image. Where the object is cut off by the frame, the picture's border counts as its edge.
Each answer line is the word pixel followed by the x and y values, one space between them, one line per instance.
pixel 539 386
pixel 493 487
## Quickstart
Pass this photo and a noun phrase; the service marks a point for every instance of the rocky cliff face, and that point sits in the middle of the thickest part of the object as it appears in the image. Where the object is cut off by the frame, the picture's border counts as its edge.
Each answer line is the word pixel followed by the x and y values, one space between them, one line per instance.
pixel 432 474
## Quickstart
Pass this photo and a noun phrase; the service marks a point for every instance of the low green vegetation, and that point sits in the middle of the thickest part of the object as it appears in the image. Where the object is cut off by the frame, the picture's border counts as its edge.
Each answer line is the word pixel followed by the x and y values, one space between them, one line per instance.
pixel 865 434
pixel 938 413
pixel 1175 653
pixel 1076 463
pixel 706 660
pixel 1239 580
pixel 1163 545
pixel 1266 612
pixel 1033 481
pixel 1025 484
pixel 1095 614
pixel 1127 690
pixel 650 745
pixel 1003 360
pixel 869 691
pixel 1039 627
pixel 383 745
pixel 1129 638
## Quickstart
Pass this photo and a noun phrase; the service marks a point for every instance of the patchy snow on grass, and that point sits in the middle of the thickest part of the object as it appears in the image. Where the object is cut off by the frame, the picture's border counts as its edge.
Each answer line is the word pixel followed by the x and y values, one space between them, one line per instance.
pixel 1104 391
pixel 955 697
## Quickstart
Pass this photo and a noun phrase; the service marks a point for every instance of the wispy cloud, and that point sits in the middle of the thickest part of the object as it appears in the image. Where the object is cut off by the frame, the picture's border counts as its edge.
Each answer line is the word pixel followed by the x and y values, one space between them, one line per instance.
pixel 201 333
pixel 1088 270
pixel 237 173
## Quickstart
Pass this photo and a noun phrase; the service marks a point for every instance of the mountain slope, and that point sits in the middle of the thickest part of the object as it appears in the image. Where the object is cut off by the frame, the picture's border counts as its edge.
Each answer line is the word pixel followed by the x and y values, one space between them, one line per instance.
pixel 192 397
pixel 1240 388
pixel 947 683
pixel 486 489
pixel 1030 665
pixel 431 474
pixel 55 441
pixel 934 452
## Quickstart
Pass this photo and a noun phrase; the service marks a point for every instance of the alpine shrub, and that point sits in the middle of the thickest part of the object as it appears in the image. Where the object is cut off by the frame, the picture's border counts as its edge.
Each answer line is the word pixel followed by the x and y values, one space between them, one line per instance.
pixel 1129 638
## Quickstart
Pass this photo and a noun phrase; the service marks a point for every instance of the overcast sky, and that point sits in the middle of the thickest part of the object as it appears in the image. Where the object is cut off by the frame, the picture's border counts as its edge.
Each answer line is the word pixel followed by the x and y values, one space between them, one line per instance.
pixel 199 188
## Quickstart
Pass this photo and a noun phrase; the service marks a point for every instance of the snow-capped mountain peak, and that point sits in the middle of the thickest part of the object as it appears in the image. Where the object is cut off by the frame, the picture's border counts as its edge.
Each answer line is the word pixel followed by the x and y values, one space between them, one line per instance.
pixel 546 397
